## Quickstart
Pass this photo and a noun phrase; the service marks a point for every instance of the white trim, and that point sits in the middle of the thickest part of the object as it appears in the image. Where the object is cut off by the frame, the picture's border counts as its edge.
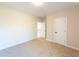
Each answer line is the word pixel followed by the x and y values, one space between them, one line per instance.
pixel 72 47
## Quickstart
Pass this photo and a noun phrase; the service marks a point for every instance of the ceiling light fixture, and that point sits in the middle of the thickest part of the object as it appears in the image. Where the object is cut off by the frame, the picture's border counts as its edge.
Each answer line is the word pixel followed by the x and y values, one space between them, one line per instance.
pixel 37 3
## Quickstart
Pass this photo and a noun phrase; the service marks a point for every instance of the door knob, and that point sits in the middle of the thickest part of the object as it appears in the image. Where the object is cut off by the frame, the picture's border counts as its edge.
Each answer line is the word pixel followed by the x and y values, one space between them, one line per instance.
pixel 55 32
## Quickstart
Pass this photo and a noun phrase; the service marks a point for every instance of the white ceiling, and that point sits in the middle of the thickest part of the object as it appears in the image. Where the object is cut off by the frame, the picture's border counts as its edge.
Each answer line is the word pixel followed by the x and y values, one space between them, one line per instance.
pixel 47 8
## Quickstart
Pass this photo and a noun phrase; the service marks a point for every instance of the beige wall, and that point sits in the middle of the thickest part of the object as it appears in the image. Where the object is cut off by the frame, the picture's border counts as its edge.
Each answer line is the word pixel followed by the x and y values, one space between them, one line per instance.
pixel 15 27
pixel 72 15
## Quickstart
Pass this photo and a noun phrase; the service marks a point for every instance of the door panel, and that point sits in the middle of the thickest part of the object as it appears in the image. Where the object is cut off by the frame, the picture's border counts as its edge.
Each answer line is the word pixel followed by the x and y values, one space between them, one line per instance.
pixel 60 30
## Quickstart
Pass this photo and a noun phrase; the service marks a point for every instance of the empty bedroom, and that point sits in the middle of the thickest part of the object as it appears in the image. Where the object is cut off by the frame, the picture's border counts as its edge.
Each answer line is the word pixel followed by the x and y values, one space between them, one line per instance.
pixel 39 29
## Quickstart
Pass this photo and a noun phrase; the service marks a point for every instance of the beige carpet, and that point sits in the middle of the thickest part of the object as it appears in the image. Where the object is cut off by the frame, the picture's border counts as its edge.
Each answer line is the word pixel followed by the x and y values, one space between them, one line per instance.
pixel 39 48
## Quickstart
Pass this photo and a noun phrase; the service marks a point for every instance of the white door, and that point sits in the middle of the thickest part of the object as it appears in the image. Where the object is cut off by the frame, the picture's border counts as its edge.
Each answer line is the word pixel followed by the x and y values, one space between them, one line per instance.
pixel 60 30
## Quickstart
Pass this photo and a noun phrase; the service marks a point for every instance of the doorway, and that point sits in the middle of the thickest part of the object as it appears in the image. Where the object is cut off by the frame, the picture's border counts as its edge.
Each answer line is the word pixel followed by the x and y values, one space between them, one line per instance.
pixel 41 28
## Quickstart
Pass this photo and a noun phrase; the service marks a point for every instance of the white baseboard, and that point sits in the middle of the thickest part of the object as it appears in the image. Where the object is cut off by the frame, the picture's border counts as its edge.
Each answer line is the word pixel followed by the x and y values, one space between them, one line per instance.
pixel 65 45
pixel 72 47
